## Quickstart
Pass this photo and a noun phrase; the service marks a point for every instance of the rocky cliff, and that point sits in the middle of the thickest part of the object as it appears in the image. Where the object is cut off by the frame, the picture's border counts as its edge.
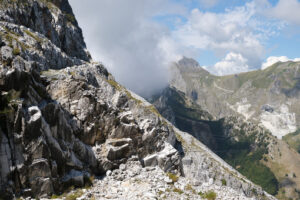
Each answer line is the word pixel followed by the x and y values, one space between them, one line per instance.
pixel 65 120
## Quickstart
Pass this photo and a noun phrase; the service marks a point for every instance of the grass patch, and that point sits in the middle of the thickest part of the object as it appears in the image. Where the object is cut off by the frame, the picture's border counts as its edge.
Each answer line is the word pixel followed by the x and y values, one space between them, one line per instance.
pixel 173 177
pixel 16 51
pixel 293 140
pixel 114 84
pixel 38 39
pixel 70 17
pixel 179 191
pixel 69 196
pixel 251 167
pixel 209 195
pixel 153 110
pixel 118 87
pixel 10 37
pixel 224 183
pixel 74 195
pixel 190 188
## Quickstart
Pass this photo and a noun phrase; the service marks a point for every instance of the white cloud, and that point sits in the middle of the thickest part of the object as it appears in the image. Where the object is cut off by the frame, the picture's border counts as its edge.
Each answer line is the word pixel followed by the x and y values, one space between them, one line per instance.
pixel 273 59
pixel 136 49
pixel 286 10
pixel 231 64
pixel 124 37
pixel 235 30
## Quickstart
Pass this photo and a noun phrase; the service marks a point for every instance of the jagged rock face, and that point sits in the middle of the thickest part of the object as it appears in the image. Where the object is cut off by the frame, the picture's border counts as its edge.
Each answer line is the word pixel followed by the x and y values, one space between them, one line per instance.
pixel 59 128
pixel 53 19
pixel 186 115
pixel 48 144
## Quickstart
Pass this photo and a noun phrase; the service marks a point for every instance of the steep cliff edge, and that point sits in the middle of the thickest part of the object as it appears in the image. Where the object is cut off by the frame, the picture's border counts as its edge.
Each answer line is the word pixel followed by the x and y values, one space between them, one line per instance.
pixel 64 119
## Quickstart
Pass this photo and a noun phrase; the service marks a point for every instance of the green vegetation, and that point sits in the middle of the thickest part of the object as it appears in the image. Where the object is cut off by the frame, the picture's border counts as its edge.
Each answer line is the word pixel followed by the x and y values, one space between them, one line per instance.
pixel 7 101
pixel 153 110
pixel 38 39
pixel 190 188
pixel 238 152
pixel 209 195
pixel 247 161
pixel 293 139
pixel 13 42
pixel 75 195
pixel 70 17
pixel 114 84
pixel 261 79
pixel 224 183
pixel 52 74
pixel 16 51
pixel 173 177
pixel 179 191
pixel 118 87
pixel 12 3
pixel 7 107
pixel 69 194
pixel 184 110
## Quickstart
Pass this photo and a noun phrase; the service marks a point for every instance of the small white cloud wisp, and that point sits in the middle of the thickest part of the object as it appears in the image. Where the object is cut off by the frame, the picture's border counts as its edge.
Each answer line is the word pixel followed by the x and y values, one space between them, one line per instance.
pixel 233 63
pixel 273 59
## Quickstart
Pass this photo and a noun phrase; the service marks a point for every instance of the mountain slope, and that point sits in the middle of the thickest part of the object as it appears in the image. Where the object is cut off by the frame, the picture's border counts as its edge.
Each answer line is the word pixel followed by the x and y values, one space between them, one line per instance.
pixel 248 147
pixel 219 112
pixel 277 87
pixel 65 120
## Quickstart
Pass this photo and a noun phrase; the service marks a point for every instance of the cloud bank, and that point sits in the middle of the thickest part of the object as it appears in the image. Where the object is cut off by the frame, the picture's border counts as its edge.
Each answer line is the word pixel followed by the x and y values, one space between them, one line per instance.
pixel 124 37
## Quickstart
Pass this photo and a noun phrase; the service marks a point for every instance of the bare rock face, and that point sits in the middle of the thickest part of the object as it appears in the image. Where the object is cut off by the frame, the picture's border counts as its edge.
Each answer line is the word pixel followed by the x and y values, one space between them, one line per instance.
pixel 53 19
pixel 58 127
pixel 63 118
pixel 55 119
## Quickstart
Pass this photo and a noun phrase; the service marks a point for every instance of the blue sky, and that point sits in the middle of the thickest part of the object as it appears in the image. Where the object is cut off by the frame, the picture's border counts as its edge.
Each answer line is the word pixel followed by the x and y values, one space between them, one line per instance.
pixel 283 41
pixel 138 39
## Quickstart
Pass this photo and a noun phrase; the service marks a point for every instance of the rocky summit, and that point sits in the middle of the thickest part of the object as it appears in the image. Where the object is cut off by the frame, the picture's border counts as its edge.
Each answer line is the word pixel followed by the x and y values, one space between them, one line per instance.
pixel 68 130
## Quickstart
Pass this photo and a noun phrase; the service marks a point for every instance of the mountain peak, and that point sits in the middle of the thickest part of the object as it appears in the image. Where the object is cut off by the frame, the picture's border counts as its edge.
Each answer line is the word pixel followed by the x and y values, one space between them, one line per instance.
pixel 189 64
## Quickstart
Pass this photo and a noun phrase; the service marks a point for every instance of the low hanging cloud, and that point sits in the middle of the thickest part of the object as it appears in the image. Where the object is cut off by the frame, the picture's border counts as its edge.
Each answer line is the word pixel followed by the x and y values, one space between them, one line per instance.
pixel 273 59
pixel 124 37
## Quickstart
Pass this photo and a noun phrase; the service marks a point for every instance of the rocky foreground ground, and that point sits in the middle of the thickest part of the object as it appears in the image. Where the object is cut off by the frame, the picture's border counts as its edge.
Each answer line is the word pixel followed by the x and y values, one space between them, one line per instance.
pixel 132 181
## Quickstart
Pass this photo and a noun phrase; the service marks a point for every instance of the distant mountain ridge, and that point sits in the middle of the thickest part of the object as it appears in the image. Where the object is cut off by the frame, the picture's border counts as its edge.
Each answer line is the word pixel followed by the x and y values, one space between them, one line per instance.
pixel 270 96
